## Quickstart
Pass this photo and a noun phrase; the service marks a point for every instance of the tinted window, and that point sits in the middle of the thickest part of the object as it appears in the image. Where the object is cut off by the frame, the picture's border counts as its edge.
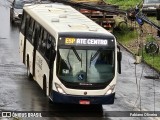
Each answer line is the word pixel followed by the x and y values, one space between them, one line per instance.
pixel 30 29
pixel 49 46
pixel 35 31
pixel 42 41
pixel 23 23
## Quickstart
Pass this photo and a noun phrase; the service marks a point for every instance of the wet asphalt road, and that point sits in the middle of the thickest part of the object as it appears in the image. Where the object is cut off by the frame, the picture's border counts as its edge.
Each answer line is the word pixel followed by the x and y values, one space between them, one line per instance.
pixel 18 93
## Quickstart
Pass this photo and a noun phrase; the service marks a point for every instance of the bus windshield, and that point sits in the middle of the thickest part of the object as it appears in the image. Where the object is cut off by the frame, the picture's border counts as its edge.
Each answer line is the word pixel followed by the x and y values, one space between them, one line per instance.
pixel 85 66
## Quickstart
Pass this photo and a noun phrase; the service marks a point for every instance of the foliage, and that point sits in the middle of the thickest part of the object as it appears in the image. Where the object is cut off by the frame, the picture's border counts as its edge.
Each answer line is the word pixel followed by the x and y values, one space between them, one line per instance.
pixel 128 40
pixel 125 37
pixel 125 4
pixel 153 60
pixel 150 38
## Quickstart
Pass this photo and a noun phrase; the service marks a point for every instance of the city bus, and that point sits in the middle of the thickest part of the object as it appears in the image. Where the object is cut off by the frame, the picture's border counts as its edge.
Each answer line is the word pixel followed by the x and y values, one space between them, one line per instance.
pixel 73 59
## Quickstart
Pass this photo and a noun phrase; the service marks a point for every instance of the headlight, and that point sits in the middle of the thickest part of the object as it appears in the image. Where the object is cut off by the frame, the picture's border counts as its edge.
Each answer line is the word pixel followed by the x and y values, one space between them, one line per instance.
pixel 110 90
pixel 59 88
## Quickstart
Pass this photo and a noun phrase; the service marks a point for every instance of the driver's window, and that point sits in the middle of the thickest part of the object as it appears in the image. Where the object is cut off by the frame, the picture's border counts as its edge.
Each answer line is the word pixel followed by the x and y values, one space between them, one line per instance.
pixel 48 47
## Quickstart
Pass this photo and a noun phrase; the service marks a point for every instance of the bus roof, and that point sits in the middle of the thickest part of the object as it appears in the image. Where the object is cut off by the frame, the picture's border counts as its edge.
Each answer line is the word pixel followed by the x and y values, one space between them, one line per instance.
pixel 60 19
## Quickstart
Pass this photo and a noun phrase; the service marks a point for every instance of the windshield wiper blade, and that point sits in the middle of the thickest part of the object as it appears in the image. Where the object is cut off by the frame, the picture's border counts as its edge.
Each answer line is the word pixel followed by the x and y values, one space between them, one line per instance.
pixel 70 68
pixel 95 55
pixel 75 52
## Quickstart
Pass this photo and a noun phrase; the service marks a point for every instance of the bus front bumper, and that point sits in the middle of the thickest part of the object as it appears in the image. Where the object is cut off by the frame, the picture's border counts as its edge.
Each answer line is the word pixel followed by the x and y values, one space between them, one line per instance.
pixel 76 99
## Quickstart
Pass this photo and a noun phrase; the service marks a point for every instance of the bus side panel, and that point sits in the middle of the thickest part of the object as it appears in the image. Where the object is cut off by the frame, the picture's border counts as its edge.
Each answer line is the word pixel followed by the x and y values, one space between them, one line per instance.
pixel 41 71
pixel 29 53
pixel 21 46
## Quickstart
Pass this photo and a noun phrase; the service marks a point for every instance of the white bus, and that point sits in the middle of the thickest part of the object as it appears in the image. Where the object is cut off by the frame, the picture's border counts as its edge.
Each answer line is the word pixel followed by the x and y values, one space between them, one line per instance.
pixel 73 59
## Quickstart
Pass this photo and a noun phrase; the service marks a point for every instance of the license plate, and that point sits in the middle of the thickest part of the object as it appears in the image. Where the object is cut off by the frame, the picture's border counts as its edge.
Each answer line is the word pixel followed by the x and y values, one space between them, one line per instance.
pixel 84 102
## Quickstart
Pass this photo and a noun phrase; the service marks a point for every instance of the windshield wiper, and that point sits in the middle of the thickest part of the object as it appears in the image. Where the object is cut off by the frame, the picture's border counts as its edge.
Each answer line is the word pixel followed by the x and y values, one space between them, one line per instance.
pixel 75 52
pixel 70 68
pixel 95 55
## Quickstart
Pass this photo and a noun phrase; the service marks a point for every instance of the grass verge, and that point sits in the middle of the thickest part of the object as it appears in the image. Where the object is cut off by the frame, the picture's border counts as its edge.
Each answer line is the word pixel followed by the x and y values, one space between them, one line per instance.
pixel 125 4
pixel 130 40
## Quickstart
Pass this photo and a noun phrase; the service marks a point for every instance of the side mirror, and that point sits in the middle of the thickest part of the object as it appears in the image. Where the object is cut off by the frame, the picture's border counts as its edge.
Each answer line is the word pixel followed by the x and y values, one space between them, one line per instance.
pixel 119 59
pixel 119 56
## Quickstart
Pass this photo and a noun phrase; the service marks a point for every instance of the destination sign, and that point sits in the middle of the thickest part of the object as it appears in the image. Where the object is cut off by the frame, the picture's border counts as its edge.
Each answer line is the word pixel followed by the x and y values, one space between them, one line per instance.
pixel 85 41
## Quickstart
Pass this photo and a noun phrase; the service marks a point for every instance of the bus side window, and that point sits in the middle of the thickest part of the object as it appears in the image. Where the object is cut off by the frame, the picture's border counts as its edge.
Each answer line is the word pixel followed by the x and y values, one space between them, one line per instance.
pixel 40 47
pixel 49 47
pixel 37 27
pixel 23 22
pixel 30 29
pixel 42 42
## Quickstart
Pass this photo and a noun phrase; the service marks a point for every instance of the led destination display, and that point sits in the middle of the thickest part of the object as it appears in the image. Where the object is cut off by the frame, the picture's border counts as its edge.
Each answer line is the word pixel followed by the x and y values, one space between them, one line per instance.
pixel 85 42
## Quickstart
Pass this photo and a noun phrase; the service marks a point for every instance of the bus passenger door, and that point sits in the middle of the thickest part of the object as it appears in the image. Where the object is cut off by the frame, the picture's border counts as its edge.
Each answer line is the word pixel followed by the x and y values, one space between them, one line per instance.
pixel 40 64
pixel 49 57
pixel 51 64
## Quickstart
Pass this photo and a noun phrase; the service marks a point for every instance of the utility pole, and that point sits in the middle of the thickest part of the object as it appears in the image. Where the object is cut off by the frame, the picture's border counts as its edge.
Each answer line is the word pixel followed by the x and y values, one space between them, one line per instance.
pixel 140 40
